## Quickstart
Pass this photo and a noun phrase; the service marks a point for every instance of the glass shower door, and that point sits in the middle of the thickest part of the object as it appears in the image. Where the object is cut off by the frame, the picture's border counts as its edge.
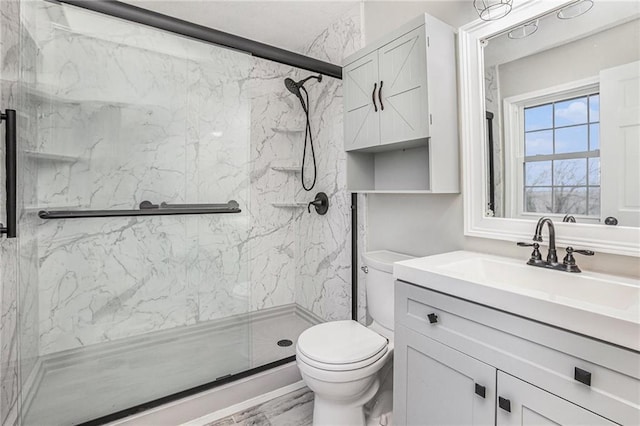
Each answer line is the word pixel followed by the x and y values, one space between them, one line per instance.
pixel 119 311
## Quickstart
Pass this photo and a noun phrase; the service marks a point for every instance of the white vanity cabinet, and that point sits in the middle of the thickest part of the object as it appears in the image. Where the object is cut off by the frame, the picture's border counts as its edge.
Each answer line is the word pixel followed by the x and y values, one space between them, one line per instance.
pixel 400 111
pixel 459 362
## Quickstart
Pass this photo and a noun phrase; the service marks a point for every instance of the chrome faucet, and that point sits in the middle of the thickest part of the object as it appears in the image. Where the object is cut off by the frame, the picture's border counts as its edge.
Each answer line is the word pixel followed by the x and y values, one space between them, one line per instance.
pixel 568 263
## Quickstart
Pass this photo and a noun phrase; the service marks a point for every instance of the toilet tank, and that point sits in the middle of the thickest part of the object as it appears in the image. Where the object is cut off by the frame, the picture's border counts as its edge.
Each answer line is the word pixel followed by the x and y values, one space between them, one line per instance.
pixel 379 285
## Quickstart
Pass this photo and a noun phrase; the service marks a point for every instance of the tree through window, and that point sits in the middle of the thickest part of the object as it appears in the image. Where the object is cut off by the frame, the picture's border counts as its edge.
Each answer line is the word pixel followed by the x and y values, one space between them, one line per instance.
pixel 562 157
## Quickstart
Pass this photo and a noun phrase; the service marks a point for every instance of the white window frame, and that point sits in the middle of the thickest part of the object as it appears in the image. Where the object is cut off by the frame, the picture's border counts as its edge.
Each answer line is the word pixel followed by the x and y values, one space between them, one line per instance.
pixel 513 111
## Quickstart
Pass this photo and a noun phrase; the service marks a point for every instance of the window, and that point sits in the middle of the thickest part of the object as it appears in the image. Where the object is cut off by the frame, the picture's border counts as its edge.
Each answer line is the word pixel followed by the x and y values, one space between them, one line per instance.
pixel 561 168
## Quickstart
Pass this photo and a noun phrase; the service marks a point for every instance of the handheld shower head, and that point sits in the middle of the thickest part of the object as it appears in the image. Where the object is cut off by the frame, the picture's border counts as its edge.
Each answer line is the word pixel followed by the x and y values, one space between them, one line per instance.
pixel 294 88
pixel 297 88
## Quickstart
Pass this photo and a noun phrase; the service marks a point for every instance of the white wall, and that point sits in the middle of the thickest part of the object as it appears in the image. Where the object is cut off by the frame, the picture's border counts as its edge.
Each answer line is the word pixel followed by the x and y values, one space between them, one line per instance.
pixel 380 17
pixel 418 225
pixel 573 61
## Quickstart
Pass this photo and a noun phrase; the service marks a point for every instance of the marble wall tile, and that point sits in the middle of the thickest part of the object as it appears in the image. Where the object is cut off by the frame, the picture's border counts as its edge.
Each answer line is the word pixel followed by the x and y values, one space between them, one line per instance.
pixel 324 261
pixel 9 250
pixel 198 124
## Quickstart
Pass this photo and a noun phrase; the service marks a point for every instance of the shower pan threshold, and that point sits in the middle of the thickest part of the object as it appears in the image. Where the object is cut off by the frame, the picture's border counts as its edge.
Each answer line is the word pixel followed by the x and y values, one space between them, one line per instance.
pixel 84 384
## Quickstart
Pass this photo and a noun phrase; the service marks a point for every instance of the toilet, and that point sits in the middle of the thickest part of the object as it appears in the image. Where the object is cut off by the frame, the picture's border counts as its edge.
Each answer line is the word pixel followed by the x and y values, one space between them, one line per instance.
pixel 345 363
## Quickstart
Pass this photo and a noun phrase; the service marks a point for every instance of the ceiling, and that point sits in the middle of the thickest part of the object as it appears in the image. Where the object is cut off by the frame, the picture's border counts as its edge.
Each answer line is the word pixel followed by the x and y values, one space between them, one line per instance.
pixel 290 25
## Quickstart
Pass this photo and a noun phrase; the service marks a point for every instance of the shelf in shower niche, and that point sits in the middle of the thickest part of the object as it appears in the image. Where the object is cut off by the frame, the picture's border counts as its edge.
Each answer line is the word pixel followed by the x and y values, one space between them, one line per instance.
pixel 287 130
pixel 287 169
pixel 289 205
pixel 48 156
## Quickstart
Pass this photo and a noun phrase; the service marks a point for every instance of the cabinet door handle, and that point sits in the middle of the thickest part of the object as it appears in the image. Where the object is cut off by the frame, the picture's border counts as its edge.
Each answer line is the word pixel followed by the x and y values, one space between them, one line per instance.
pixel 380 96
pixel 504 403
pixel 583 376
pixel 373 97
pixel 481 390
pixel 433 318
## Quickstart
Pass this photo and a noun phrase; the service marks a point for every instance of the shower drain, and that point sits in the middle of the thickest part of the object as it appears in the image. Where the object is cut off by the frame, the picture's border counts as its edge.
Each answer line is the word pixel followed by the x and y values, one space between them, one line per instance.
pixel 285 342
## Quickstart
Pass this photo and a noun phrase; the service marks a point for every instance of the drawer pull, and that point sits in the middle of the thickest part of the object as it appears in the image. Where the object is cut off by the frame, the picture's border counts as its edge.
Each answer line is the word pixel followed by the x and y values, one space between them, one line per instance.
pixel 481 390
pixel 504 403
pixel 433 318
pixel 583 376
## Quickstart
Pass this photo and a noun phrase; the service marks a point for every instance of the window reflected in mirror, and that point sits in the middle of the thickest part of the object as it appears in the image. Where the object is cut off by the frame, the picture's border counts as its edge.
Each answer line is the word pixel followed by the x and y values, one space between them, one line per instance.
pixel 563 118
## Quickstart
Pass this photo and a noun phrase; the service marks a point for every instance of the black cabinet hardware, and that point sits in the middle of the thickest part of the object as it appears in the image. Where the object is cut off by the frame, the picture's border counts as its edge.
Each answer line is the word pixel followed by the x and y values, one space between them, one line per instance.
pixel 433 318
pixel 373 97
pixel 380 96
pixel 481 390
pixel 504 403
pixel 583 376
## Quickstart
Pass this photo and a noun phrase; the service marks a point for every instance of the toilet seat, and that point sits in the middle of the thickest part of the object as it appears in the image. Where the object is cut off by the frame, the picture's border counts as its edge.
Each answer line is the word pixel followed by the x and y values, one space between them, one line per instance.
pixel 340 346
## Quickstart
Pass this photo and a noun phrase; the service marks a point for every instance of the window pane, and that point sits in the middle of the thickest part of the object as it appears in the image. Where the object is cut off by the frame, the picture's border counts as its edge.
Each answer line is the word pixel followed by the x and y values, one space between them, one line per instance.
pixel 594 137
pixel 537 173
pixel 570 200
pixel 570 172
pixel 539 117
pixel 538 143
pixel 594 201
pixel 571 139
pixel 570 112
pixel 537 200
pixel 594 171
pixel 594 108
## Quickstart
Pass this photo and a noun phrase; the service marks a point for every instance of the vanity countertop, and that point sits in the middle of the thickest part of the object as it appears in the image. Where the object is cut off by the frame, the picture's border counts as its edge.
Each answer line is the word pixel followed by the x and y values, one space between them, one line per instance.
pixel 601 306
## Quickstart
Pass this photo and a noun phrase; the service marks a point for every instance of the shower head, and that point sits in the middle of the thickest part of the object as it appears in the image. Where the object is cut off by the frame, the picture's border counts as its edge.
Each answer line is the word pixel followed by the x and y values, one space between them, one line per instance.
pixel 294 87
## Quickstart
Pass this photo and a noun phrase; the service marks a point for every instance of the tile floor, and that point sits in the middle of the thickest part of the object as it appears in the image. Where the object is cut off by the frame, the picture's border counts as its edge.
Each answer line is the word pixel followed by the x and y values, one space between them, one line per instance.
pixel 292 409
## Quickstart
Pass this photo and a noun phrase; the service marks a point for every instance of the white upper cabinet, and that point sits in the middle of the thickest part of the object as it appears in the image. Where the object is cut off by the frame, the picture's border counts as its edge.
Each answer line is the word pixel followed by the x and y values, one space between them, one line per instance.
pixel 403 89
pixel 400 111
pixel 360 80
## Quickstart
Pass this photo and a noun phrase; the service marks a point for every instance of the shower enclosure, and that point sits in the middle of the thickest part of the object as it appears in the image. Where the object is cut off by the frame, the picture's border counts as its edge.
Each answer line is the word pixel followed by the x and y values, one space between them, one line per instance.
pixel 162 226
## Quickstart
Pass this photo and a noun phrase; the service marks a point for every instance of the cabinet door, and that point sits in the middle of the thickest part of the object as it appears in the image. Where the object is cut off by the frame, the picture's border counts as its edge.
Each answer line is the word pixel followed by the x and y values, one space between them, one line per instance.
pixel 403 81
pixel 436 385
pixel 530 405
pixel 361 112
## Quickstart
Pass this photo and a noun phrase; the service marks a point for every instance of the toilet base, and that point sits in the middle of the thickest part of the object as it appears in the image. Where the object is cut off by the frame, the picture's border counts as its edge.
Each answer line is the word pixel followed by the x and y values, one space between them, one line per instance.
pixel 328 412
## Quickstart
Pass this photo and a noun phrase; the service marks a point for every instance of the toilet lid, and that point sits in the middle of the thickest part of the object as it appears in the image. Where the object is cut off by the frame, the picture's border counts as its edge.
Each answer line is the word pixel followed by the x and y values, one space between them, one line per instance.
pixel 340 342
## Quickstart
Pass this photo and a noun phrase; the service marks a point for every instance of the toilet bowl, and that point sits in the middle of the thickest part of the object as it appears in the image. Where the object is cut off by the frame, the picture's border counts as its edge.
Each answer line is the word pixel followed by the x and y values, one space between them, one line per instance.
pixel 342 361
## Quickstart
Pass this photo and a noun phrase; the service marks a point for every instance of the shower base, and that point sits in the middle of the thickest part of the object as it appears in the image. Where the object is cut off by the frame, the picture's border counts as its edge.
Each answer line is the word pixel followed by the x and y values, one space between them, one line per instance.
pixel 82 384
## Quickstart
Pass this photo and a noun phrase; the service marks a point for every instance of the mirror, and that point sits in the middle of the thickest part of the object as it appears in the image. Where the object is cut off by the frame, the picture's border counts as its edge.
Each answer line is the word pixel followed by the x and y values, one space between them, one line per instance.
pixel 562 109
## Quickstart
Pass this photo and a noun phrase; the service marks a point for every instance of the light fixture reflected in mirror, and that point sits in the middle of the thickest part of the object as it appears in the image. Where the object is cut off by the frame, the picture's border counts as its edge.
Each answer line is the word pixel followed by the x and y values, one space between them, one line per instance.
pixel 490 10
pixel 524 30
pixel 575 9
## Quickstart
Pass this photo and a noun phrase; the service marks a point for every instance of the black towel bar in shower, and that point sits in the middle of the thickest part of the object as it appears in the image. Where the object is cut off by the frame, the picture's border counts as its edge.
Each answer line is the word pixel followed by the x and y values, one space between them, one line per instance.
pixel 11 170
pixel 146 209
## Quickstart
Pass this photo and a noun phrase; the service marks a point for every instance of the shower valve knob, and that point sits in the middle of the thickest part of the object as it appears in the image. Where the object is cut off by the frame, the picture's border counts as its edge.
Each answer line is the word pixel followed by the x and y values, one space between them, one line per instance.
pixel 321 203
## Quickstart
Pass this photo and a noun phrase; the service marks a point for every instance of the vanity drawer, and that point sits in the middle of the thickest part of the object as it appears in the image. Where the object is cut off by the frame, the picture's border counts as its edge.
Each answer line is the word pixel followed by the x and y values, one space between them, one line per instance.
pixel 544 356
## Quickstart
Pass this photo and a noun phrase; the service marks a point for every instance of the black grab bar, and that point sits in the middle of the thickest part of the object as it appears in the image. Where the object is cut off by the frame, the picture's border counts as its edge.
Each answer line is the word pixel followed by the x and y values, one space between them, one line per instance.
pixel 146 209
pixel 10 140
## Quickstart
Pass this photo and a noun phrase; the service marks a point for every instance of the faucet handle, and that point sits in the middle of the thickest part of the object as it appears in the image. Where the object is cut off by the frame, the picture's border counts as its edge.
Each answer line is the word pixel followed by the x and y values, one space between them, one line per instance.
pixel 569 262
pixel 571 250
pixel 536 257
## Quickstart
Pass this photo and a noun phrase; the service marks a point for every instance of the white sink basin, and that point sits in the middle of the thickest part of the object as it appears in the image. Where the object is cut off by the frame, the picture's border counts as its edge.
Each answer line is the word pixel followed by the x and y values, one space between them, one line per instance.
pixel 602 306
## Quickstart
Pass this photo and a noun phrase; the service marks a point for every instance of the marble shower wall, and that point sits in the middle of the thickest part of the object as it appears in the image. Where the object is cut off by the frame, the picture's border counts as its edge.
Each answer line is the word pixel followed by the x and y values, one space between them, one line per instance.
pixel 190 123
pixel 9 248
pixel 323 266
pixel 173 127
